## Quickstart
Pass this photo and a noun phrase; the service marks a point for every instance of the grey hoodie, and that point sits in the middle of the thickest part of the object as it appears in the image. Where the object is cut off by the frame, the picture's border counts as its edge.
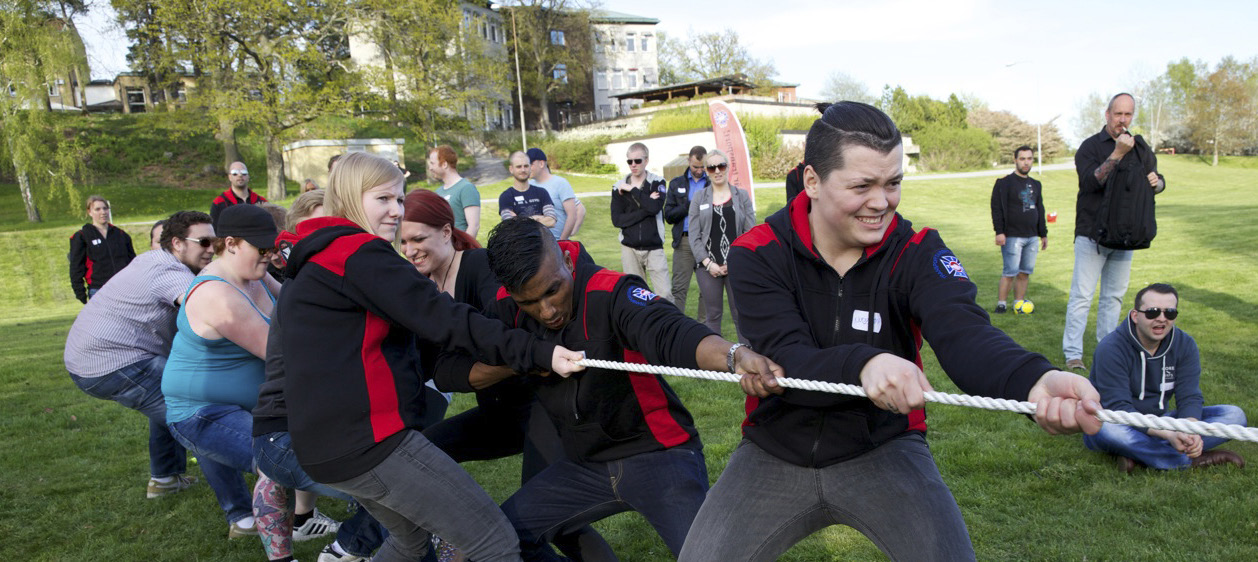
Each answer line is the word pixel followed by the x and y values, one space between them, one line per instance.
pixel 1131 380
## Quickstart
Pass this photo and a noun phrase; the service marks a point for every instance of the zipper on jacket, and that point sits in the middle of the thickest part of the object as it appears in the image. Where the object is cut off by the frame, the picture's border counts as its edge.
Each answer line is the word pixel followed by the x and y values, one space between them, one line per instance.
pixel 816 444
pixel 576 388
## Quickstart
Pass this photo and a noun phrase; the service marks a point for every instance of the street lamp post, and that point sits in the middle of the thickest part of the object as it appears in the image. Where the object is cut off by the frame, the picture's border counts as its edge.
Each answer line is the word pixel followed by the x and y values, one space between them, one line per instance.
pixel 519 85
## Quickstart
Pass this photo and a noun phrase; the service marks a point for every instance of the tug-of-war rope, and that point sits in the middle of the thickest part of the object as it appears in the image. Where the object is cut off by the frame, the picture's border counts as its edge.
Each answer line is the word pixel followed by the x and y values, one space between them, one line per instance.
pixel 1147 421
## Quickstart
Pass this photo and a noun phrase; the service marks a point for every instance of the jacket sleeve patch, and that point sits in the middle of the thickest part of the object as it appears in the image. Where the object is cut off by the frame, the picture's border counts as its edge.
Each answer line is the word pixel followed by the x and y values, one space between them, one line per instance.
pixel 947 265
pixel 640 296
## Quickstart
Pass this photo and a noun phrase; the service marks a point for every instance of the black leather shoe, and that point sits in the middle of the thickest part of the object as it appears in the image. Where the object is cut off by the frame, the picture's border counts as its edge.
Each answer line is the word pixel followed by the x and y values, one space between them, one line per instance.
pixel 1218 456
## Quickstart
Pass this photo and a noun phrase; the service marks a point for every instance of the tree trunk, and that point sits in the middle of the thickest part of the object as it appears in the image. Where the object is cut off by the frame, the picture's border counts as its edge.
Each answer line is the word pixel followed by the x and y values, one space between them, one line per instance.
pixel 24 184
pixel 227 136
pixel 274 168
pixel 543 101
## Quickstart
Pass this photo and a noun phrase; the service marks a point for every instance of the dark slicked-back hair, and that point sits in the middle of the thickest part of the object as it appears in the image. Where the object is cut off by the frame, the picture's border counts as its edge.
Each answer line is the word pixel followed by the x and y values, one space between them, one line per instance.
pixel 1160 288
pixel 517 247
pixel 843 124
pixel 698 152
pixel 178 224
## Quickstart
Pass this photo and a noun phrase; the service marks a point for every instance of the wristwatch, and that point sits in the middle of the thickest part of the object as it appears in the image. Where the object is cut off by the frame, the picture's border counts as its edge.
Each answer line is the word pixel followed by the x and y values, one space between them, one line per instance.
pixel 729 357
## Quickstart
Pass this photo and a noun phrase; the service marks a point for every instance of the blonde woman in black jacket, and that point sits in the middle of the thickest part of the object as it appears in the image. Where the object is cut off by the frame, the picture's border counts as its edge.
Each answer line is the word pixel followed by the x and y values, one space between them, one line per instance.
pixel 718 215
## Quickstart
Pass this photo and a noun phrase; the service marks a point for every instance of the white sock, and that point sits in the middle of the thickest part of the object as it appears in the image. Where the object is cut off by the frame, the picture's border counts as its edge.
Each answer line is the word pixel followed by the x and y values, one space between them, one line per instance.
pixel 336 547
pixel 246 523
pixel 998 303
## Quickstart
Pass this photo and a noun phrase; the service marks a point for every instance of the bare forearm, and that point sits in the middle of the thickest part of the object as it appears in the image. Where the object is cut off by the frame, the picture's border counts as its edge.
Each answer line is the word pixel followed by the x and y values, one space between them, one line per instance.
pixel 484 376
pixel 472 215
pixel 712 353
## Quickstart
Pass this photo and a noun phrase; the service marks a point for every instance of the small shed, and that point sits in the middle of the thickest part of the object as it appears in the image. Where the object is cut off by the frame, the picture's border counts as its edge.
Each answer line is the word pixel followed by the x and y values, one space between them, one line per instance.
pixel 309 158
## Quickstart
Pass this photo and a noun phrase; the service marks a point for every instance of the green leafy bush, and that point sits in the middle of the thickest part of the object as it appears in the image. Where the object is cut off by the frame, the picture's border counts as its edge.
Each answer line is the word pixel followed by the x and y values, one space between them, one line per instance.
pixel 952 148
pixel 776 163
pixel 577 155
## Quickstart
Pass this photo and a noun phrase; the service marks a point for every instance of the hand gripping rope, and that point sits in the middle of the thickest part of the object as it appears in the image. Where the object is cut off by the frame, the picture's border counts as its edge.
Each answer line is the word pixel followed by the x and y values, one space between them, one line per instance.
pixel 1148 421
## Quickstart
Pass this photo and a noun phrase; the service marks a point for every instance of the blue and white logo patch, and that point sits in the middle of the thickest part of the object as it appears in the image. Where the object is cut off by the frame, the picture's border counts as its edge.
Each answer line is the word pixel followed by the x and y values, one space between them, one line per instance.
pixel 947 265
pixel 641 296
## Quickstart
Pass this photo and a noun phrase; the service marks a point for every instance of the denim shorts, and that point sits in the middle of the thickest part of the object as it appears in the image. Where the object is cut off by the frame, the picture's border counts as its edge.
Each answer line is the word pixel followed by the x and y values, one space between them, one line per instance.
pixel 1019 255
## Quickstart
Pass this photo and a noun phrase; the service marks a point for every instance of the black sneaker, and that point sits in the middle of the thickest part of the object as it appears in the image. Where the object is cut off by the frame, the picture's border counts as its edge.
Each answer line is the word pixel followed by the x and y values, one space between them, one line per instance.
pixel 1001 309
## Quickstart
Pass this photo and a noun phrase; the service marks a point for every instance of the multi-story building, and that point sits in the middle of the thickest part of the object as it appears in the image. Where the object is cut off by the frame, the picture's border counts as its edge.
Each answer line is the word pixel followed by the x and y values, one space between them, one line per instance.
pixel 626 59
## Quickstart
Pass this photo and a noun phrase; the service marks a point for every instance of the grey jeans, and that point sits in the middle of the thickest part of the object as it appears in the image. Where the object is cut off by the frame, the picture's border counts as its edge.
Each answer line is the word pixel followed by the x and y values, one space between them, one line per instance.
pixel 684 267
pixel 893 495
pixel 419 490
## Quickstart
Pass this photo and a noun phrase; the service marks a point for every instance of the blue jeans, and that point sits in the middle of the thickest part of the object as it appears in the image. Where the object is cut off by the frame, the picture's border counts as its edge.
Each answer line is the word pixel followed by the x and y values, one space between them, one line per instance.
pixel 666 487
pixel 1156 452
pixel 418 490
pixel 139 386
pixel 1018 255
pixel 893 494
pixel 1092 263
pixel 359 535
pixel 221 436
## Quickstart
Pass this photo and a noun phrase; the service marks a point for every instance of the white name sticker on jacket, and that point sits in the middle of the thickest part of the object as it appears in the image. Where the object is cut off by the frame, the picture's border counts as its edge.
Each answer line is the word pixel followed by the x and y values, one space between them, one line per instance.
pixel 1167 386
pixel 704 207
pixel 860 321
pixel 681 190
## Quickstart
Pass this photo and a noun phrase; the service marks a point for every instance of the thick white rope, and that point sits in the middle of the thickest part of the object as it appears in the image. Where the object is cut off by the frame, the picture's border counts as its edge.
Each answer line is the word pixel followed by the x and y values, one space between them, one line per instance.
pixel 1148 421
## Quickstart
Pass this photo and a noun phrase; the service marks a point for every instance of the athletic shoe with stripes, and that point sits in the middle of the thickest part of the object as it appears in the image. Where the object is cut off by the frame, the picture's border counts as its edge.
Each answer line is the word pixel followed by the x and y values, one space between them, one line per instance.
pixel 317 526
pixel 179 482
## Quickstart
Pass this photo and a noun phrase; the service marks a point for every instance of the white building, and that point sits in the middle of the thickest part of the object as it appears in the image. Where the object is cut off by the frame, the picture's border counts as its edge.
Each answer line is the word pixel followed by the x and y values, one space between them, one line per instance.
pixel 626 59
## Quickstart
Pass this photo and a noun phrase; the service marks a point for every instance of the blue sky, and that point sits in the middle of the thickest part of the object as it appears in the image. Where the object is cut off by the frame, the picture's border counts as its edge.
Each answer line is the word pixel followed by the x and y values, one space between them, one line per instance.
pixel 1060 51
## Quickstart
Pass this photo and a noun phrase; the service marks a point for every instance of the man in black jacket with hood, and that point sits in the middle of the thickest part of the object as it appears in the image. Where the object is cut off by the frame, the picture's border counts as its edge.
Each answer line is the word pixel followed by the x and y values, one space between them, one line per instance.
pixel 630 444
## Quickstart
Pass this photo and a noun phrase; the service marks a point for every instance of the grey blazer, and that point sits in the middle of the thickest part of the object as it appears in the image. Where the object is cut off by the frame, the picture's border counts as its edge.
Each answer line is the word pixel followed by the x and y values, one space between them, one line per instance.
pixel 701 219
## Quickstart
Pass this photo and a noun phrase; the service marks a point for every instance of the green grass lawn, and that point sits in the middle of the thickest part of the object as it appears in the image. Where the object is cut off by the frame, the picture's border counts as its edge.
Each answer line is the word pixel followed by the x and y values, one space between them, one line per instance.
pixel 72 467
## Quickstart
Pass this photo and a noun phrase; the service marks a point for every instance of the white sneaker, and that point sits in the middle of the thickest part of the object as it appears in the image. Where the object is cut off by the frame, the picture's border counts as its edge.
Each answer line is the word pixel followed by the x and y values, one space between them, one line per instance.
pixel 329 554
pixel 317 526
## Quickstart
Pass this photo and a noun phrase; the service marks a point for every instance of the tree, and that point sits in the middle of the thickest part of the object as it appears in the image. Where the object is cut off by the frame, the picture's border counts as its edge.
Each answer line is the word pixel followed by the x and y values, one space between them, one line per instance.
pixel 841 86
pixel 275 65
pixel 706 55
pixel 1221 109
pixel 551 68
pixel 1089 116
pixel 37 48
pixel 432 62
pixel 1010 132
pixel 912 114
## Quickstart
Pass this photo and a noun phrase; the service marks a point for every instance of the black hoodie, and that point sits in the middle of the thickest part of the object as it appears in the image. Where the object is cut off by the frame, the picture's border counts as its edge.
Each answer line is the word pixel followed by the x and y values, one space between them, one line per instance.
pixel 94 259
pixel 353 311
pixel 796 309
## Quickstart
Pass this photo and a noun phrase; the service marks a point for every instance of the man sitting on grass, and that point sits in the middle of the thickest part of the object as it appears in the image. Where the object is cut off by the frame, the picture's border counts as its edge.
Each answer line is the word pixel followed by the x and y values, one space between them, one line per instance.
pixel 1138 368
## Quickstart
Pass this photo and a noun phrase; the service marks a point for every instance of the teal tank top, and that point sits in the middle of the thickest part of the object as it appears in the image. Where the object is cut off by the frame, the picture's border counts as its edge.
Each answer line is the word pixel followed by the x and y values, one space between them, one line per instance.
pixel 202 372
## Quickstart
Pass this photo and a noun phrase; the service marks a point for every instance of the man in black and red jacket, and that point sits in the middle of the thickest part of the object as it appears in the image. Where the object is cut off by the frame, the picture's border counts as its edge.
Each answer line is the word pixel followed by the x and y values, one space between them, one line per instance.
pixel 838 287
pixel 239 192
pixel 629 442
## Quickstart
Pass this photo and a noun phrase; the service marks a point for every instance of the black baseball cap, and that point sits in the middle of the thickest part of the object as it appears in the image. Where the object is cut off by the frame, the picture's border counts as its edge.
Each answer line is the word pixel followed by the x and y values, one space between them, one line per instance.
pixel 535 154
pixel 250 222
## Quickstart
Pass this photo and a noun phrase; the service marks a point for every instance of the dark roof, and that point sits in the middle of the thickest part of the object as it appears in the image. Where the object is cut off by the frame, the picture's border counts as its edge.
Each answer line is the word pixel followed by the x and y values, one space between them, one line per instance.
pixel 735 83
pixel 608 16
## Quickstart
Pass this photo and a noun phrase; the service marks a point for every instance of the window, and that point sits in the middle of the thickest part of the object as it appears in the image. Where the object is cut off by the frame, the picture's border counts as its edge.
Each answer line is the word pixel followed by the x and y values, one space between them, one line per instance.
pixel 600 80
pixel 644 48
pixel 632 79
pixel 616 81
pixel 54 88
pixel 556 37
pixel 560 73
pixel 181 94
pixel 629 42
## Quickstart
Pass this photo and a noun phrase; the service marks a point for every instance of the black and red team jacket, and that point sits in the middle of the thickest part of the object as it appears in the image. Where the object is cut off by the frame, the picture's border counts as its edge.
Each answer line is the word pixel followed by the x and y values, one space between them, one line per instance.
pixel 94 259
pixel 354 310
pixel 797 310
pixel 227 199
pixel 607 415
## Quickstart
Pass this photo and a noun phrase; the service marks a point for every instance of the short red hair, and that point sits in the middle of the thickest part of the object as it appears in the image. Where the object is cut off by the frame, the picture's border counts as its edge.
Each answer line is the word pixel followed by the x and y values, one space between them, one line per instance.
pixel 446 154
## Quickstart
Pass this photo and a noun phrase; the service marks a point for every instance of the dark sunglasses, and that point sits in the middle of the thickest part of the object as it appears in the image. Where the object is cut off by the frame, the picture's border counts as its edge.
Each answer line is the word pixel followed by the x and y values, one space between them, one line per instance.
pixel 204 242
pixel 1153 313
pixel 715 167
pixel 633 161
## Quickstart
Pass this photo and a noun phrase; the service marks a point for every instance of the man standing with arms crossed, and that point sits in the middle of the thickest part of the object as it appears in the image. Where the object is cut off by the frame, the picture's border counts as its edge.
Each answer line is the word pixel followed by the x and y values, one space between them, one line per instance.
pixel 1113 151
pixel 636 204
pixel 569 213
pixel 1018 217
pixel 462 196
pixel 677 213
pixel 523 198
pixel 237 193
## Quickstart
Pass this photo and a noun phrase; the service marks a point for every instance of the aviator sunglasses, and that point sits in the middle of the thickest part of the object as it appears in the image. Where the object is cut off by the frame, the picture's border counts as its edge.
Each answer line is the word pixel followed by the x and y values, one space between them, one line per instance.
pixel 1153 312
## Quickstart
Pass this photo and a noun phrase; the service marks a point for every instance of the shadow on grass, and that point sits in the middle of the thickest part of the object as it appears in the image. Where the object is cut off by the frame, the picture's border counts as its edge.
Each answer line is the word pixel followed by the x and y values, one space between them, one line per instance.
pixel 1239 309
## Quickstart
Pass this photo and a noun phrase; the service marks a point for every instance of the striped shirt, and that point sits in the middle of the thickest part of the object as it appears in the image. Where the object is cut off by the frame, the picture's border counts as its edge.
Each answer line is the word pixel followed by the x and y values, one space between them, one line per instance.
pixel 130 319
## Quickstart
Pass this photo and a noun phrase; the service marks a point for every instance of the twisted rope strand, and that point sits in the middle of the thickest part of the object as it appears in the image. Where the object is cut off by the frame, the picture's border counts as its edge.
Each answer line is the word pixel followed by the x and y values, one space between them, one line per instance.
pixel 1147 421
